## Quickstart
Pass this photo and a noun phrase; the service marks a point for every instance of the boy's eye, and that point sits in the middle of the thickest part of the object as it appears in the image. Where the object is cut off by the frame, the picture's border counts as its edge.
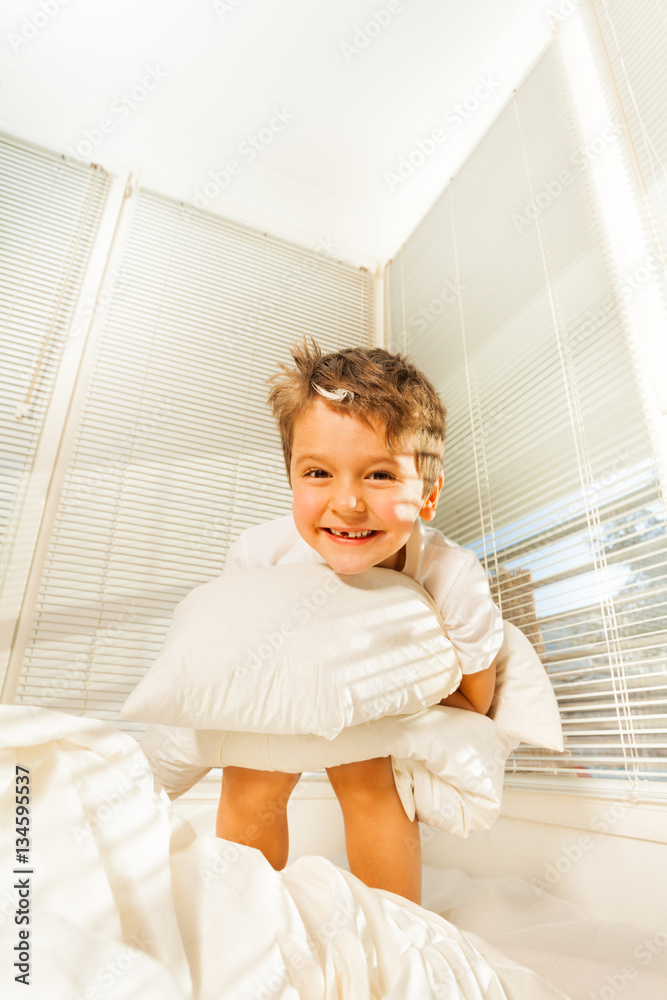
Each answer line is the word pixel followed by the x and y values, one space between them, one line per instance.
pixel 314 473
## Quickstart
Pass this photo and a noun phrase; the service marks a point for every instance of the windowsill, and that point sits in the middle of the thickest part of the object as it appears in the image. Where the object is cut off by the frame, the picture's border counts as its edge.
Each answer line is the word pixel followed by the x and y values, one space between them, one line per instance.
pixel 594 811
pixel 589 804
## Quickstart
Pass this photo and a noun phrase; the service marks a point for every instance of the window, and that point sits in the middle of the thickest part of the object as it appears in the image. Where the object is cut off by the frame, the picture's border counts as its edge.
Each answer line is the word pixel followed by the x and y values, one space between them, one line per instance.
pixel 506 296
pixel 51 211
pixel 175 450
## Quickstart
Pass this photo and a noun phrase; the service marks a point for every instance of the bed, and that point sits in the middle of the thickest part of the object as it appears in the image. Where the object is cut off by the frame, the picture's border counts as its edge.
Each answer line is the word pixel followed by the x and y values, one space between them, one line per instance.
pixel 123 899
pixel 109 893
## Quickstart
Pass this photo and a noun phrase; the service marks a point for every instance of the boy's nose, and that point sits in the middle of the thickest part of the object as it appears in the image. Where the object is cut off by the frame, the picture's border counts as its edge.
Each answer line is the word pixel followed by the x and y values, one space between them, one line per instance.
pixel 347 502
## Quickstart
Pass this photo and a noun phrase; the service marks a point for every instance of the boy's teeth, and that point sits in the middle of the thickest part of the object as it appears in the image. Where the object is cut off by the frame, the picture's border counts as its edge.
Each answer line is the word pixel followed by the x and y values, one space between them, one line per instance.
pixel 351 534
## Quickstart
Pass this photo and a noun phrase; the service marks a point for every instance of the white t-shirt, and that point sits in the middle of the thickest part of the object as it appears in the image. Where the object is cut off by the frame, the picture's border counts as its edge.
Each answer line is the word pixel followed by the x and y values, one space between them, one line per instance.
pixel 451 574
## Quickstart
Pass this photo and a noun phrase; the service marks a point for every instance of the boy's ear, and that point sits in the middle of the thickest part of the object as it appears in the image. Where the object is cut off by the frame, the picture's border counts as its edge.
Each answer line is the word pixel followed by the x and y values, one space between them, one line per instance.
pixel 427 513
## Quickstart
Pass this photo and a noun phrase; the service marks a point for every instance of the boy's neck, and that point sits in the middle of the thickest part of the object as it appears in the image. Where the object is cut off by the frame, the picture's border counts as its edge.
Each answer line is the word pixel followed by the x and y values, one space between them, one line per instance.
pixel 397 561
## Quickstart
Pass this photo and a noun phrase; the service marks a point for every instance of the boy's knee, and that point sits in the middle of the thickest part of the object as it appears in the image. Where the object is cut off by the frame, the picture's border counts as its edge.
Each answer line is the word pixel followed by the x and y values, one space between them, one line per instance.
pixel 365 780
pixel 251 785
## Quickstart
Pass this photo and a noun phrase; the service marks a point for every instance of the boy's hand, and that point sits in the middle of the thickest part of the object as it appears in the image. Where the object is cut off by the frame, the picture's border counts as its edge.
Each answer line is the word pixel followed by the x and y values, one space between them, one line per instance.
pixel 475 692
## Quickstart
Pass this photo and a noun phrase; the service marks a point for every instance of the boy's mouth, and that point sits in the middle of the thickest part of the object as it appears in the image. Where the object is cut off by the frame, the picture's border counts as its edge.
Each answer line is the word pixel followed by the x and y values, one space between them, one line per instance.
pixel 340 533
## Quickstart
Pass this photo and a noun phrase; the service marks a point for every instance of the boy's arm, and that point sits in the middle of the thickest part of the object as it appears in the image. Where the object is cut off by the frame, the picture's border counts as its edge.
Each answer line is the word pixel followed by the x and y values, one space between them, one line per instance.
pixel 475 692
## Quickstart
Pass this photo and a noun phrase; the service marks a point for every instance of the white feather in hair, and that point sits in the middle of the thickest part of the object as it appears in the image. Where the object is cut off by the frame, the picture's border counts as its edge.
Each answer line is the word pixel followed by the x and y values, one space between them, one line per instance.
pixel 339 395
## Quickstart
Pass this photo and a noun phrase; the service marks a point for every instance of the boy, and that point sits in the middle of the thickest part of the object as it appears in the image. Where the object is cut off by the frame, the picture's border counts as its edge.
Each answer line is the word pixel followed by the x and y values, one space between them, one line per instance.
pixel 362 433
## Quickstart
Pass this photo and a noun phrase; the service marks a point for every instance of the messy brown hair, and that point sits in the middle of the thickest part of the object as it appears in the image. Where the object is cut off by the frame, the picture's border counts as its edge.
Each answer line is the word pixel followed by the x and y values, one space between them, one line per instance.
pixel 387 388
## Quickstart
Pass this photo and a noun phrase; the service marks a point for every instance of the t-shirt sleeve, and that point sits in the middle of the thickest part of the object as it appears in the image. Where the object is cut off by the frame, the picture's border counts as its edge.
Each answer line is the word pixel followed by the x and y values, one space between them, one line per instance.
pixel 237 557
pixel 473 622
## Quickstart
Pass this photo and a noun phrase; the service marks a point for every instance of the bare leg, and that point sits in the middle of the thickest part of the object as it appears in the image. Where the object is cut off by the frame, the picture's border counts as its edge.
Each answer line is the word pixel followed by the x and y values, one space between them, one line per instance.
pixel 253 811
pixel 383 845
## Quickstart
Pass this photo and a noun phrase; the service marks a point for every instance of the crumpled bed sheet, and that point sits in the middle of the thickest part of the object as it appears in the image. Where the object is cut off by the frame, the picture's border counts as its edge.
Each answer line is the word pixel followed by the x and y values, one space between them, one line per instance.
pixel 588 959
pixel 127 902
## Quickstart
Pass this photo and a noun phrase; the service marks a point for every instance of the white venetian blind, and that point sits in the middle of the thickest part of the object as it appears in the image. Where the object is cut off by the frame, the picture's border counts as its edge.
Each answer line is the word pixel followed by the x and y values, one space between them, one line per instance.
pixel 504 296
pixel 630 42
pixel 49 213
pixel 176 451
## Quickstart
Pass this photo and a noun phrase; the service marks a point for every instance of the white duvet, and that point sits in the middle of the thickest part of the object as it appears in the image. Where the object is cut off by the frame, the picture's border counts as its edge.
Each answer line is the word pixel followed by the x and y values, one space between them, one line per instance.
pixel 448 764
pixel 124 900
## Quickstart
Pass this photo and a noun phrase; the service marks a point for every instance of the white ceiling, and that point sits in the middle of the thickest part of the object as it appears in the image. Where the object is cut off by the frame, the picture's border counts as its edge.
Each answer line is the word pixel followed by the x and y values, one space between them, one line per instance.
pixel 208 74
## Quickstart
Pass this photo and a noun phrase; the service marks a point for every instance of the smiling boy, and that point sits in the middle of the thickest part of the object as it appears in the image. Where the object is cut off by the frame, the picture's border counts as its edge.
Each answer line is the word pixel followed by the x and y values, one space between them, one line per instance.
pixel 362 433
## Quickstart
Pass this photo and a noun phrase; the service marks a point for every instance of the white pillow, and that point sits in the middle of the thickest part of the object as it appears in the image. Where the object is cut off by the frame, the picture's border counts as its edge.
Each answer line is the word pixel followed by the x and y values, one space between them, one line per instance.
pixel 524 704
pixel 296 649
pixel 448 763
pixel 524 710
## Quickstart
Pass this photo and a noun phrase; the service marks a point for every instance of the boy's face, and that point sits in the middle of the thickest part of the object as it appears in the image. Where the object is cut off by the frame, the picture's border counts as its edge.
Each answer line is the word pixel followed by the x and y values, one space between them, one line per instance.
pixel 343 477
